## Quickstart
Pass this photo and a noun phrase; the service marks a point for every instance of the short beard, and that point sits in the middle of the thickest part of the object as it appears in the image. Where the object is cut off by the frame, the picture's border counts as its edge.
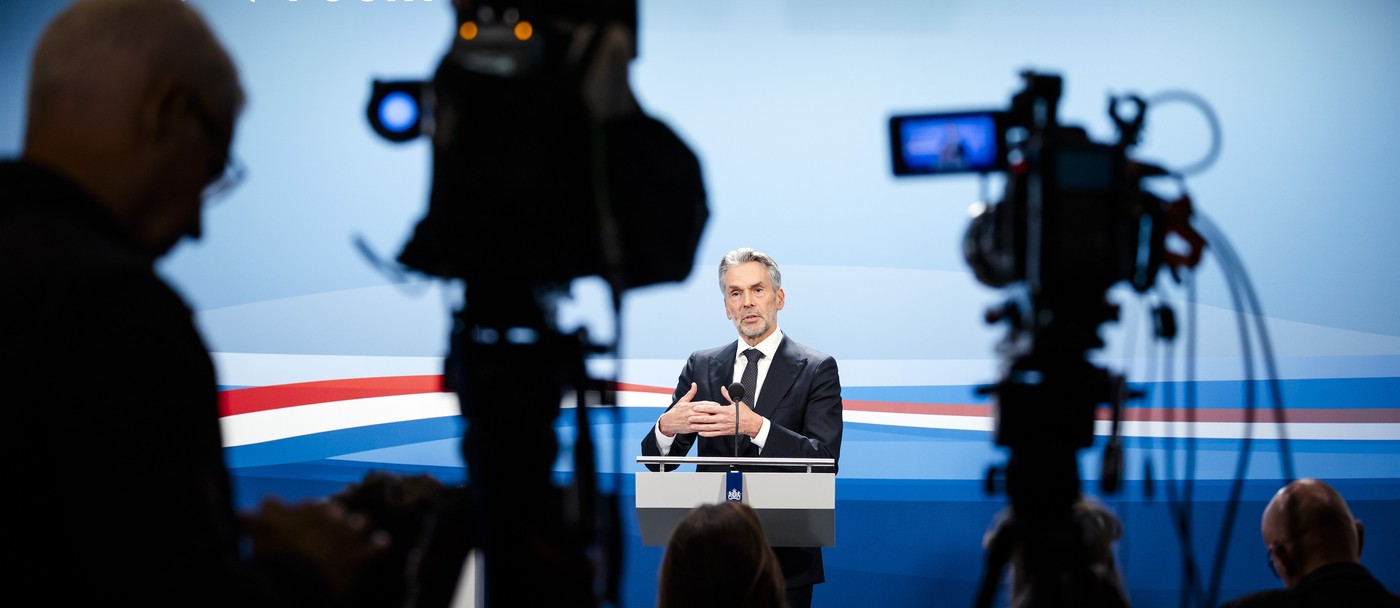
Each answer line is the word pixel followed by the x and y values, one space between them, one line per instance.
pixel 759 331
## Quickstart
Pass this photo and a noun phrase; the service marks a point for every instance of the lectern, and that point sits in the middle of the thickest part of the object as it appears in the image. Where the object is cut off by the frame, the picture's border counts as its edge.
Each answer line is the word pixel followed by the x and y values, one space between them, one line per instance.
pixel 796 509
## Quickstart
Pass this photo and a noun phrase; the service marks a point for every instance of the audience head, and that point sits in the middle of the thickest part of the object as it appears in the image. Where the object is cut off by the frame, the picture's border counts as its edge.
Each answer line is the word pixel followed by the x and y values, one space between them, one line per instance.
pixel 401 507
pixel 1308 525
pixel 396 504
pixel 1099 531
pixel 134 101
pixel 718 556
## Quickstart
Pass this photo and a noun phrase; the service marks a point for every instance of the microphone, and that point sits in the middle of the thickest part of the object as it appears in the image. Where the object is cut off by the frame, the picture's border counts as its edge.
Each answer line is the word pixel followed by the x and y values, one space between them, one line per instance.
pixel 736 392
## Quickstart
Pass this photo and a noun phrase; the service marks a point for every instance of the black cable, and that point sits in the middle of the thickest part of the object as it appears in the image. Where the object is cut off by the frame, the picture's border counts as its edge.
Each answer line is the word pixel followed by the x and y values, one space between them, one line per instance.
pixel 1190 570
pixel 1216 133
pixel 1129 335
pixel 1176 500
pixel 1231 259
pixel 1247 442
pixel 1266 345
pixel 1180 505
pixel 1148 394
pixel 1189 402
pixel 1114 461
pixel 1192 399
pixel 1121 504
pixel 398 275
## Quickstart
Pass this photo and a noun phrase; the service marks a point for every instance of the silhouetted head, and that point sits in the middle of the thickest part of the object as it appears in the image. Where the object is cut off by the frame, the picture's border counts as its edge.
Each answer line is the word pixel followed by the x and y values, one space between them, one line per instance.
pixel 1308 525
pixel 135 101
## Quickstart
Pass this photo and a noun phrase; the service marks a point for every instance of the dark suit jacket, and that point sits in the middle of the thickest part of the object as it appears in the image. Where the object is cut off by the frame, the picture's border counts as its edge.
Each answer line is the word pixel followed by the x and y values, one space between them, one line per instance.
pixel 112 449
pixel 1340 584
pixel 801 398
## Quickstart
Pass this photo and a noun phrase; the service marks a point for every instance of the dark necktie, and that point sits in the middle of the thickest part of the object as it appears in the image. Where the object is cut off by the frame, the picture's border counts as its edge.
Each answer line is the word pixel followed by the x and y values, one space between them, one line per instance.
pixel 750 379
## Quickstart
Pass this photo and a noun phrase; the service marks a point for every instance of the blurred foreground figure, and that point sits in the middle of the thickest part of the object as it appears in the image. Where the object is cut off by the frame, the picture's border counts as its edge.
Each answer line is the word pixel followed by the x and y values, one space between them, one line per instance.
pixel 403 507
pixel 1314 546
pixel 718 556
pixel 119 492
pixel 1099 530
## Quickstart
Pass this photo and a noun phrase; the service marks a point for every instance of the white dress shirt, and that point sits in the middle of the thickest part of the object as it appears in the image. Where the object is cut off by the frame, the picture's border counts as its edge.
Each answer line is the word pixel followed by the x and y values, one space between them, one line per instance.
pixel 769 347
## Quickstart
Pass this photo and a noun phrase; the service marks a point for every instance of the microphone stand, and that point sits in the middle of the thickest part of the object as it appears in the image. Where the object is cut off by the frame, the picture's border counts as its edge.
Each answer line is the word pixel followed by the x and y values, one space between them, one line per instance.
pixel 734 479
pixel 737 393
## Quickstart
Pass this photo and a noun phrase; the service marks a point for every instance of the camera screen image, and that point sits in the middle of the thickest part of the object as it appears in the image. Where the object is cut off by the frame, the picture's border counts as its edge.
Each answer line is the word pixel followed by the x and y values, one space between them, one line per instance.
pixel 946 143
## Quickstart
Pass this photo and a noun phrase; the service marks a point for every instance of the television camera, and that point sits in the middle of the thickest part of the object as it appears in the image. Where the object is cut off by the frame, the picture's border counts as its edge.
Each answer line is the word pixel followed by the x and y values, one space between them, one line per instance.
pixel 544 170
pixel 1074 221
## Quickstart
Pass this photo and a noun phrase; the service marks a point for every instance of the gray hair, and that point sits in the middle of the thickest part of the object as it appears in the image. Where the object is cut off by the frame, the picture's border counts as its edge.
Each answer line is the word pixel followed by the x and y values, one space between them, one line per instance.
pixel 744 255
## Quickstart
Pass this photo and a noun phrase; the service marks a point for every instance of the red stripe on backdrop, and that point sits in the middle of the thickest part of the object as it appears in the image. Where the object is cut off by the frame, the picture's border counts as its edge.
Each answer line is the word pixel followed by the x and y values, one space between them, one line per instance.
pixel 640 388
pixel 263 398
pixel 1355 416
pixel 901 407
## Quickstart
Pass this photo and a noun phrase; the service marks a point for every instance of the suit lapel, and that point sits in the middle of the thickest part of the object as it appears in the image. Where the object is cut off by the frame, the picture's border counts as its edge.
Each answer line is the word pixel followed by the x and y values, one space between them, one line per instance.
pixel 721 372
pixel 787 364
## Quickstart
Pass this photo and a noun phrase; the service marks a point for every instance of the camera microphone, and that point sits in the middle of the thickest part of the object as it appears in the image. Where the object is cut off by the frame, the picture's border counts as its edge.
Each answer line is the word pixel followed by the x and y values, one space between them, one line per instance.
pixel 736 394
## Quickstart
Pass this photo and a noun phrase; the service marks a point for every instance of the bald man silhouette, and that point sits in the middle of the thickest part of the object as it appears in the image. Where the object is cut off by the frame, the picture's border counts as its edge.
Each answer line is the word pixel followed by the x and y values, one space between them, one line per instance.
pixel 1314 545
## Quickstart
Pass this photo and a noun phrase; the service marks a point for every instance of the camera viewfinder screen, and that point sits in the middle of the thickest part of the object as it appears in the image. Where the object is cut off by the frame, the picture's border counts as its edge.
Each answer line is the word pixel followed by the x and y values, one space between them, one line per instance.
pixel 945 143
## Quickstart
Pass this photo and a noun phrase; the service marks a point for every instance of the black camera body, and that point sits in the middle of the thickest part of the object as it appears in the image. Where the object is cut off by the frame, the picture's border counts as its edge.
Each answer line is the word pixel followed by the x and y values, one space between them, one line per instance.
pixel 530 184
pixel 545 169
pixel 1074 217
pixel 1074 221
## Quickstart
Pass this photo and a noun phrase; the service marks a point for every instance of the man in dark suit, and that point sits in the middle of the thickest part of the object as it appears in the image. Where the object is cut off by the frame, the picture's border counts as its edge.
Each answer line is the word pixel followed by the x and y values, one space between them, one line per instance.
pixel 1314 545
pixel 792 409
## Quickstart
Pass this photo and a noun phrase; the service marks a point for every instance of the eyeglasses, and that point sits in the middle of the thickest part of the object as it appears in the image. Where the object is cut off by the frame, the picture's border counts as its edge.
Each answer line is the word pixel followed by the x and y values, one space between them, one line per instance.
pixel 230 172
pixel 228 179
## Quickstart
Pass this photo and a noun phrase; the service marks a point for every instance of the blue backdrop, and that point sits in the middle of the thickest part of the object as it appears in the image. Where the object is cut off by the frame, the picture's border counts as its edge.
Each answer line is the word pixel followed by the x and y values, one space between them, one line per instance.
pixel 785 102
